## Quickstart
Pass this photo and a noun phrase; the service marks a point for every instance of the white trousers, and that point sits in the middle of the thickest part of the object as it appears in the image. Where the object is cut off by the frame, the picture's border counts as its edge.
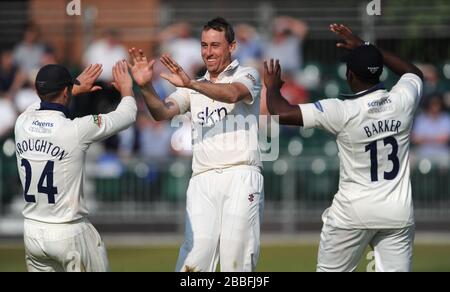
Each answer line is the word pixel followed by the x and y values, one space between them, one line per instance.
pixel 223 214
pixel 341 250
pixel 71 247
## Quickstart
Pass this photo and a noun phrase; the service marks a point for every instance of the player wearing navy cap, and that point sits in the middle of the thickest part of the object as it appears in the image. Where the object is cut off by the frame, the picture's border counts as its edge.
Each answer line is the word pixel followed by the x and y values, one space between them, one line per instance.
pixel 51 150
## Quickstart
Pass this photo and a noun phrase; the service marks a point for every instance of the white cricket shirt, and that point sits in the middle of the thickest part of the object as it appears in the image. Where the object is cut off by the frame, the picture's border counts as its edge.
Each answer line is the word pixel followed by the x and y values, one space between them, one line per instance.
pixel 373 137
pixel 51 151
pixel 224 134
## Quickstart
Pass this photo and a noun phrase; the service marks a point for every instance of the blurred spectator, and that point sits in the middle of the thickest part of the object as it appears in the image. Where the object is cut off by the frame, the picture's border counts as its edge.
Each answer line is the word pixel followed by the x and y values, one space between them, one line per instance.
pixel 27 95
pixel 108 164
pixel 432 83
pixel 292 90
pixel 127 142
pixel 154 138
pixel 286 43
pixel 107 50
pixel 49 56
pixel 11 78
pixel 432 133
pixel 161 86
pixel 249 45
pixel 8 117
pixel 29 53
pixel 177 40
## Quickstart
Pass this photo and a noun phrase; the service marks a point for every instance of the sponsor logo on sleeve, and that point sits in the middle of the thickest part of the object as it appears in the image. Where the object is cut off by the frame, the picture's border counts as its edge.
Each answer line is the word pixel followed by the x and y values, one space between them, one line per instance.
pixel 98 120
pixel 318 105
pixel 251 78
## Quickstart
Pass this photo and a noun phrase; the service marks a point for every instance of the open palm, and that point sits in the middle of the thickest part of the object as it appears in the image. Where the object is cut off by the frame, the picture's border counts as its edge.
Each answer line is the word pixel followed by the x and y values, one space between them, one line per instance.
pixel 141 68
pixel 87 80
pixel 349 40
pixel 178 77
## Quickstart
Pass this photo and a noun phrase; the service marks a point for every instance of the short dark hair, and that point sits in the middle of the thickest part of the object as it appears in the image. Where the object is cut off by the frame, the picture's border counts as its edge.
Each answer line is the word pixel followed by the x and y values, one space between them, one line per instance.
pixel 50 97
pixel 366 80
pixel 220 24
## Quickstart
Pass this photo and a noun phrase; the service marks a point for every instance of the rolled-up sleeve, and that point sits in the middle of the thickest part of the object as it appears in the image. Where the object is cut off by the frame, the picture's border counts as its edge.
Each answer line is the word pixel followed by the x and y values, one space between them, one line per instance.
pixel 250 78
pixel 181 97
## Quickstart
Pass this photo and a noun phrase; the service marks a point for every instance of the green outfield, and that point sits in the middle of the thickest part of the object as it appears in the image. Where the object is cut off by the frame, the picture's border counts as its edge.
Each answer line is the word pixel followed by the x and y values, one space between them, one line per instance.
pixel 289 258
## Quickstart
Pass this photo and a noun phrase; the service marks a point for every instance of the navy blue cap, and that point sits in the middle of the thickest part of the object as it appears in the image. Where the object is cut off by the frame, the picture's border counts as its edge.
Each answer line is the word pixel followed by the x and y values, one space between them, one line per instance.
pixel 52 78
pixel 365 61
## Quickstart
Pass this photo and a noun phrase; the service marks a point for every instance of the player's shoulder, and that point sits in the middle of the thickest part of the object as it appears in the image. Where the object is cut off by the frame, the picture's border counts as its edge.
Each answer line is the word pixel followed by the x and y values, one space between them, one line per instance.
pixel 246 69
pixel 408 89
pixel 406 81
pixel 411 77
pixel 331 102
pixel 351 107
pixel 334 106
pixel 19 120
pixel 248 73
pixel 28 111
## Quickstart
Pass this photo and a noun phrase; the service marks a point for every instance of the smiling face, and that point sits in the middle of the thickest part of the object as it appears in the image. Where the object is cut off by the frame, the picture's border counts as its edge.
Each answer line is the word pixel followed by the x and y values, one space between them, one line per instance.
pixel 216 51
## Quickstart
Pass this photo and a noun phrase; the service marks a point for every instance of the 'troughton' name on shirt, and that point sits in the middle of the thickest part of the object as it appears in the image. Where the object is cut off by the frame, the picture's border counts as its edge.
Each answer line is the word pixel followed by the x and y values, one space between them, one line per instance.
pixel 42 146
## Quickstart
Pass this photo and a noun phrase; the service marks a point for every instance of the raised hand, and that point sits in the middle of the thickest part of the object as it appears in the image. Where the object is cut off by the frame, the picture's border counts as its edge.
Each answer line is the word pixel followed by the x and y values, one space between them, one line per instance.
pixel 350 41
pixel 272 75
pixel 87 79
pixel 178 77
pixel 141 68
pixel 122 79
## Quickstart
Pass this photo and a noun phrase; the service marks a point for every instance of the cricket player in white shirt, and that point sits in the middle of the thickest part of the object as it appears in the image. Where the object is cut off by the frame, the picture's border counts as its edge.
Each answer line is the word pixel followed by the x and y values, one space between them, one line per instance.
pixel 51 151
pixel 373 205
pixel 225 194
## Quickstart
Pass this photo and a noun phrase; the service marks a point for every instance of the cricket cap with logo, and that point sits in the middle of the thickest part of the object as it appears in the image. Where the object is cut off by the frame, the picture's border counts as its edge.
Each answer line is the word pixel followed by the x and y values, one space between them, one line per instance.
pixel 52 78
pixel 366 61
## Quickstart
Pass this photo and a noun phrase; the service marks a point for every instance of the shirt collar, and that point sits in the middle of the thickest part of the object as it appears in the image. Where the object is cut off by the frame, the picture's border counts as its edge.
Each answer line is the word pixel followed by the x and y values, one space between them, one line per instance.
pixel 233 65
pixel 50 106
pixel 365 92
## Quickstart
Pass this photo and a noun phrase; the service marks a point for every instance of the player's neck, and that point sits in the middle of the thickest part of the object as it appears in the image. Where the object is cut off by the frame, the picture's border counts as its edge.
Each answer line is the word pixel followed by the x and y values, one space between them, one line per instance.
pixel 360 87
pixel 62 101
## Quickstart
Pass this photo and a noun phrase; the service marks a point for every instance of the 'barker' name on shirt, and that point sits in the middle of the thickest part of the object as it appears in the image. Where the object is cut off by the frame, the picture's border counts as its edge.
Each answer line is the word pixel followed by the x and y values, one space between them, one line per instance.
pixel 382 127
pixel 41 146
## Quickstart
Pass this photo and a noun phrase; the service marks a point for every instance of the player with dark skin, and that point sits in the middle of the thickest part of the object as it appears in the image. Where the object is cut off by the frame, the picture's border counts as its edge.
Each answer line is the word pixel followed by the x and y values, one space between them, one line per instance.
pixel 366 210
pixel 291 114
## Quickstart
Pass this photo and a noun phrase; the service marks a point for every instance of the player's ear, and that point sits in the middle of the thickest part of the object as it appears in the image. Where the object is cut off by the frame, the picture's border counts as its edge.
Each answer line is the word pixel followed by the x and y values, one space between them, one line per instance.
pixel 350 75
pixel 232 47
pixel 66 91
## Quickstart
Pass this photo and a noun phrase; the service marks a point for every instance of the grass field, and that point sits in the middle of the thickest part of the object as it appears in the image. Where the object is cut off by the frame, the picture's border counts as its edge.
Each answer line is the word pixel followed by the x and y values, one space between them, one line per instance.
pixel 288 258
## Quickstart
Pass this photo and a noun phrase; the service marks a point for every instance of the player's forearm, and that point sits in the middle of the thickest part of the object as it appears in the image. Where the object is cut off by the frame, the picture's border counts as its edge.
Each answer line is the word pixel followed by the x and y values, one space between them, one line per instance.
pixel 398 65
pixel 128 91
pixel 278 105
pixel 228 93
pixel 160 110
